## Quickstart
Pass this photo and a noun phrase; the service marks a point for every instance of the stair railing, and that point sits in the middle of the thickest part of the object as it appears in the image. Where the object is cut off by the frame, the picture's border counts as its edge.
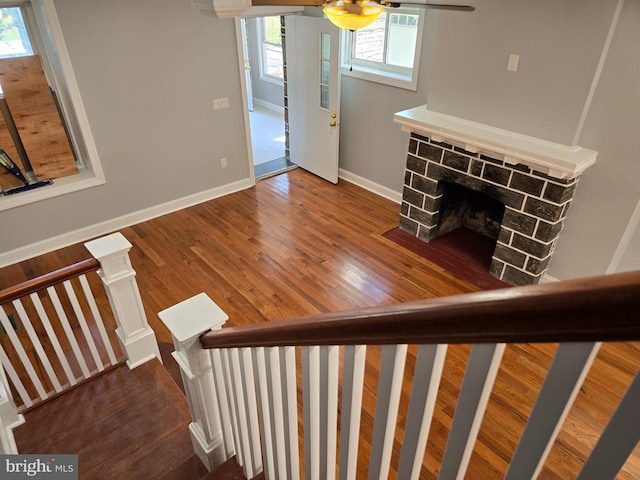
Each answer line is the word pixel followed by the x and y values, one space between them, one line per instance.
pixel 55 336
pixel 244 392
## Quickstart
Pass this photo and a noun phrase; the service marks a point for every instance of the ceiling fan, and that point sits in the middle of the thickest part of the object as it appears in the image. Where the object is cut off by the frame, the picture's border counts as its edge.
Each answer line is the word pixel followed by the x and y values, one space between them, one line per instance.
pixel 355 14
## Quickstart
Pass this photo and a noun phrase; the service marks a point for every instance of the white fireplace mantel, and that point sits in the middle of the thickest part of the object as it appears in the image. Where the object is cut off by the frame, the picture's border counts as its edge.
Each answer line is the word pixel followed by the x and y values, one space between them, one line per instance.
pixel 553 159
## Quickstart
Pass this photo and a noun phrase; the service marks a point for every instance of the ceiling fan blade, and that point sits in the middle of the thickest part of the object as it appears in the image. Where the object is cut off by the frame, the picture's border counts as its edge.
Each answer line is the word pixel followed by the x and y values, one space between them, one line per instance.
pixel 438 6
pixel 288 3
pixel 390 4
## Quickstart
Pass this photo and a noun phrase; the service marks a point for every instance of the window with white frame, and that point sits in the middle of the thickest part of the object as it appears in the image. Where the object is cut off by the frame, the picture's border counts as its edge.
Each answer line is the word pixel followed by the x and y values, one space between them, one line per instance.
pixel 30 29
pixel 388 50
pixel 270 48
pixel 14 39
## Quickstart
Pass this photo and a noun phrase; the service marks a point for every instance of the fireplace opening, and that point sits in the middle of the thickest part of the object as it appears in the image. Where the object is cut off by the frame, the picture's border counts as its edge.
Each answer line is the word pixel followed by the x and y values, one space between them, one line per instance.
pixel 469 225
pixel 462 207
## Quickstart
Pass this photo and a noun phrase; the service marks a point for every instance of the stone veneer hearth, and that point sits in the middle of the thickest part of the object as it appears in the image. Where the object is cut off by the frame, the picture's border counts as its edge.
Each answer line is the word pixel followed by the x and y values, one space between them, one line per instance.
pixel 536 202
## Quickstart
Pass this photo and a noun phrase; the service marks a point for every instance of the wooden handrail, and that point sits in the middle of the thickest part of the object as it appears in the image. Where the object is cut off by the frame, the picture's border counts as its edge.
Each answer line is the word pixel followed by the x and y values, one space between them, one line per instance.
pixel 602 308
pixel 47 280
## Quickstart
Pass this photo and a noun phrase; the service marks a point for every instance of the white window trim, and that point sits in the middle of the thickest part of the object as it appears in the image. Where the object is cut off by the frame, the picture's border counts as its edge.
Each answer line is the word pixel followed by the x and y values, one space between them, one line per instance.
pixel 264 75
pixel 90 171
pixel 373 74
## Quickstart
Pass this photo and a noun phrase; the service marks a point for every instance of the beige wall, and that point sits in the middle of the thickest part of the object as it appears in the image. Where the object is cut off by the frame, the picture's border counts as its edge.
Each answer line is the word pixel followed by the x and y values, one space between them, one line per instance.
pixel 148 71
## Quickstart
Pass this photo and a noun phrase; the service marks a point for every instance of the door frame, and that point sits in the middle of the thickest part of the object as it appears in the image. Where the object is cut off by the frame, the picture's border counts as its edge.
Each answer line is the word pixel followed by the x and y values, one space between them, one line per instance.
pixel 245 101
pixel 254 12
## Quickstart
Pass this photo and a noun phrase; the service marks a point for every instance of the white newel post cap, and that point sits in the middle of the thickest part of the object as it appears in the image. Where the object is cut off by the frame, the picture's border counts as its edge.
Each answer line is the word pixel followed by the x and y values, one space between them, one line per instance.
pixel 111 251
pixel 192 317
pixel 106 246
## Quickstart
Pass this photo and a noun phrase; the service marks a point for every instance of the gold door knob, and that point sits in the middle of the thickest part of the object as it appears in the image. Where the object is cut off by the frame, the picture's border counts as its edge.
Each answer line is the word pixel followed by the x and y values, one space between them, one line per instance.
pixel 333 119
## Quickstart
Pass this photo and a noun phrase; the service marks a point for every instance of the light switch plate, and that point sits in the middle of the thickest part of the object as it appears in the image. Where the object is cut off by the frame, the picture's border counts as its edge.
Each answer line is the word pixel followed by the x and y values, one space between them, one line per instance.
pixel 220 103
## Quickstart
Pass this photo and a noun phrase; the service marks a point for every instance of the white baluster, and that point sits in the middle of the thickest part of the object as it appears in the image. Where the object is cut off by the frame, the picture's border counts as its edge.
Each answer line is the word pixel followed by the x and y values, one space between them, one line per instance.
pixel 15 379
pixel 479 377
pixel 387 402
pixel 268 450
pixel 331 400
pixel 217 364
pixel 97 318
pixel 53 338
pixel 187 321
pixel 290 398
pixel 9 418
pixel 618 440
pixel 22 354
pixel 353 381
pixel 66 326
pixel 84 327
pixel 424 392
pixel 37 345
pixel 136 336
pixel 561 386
pixel 278 410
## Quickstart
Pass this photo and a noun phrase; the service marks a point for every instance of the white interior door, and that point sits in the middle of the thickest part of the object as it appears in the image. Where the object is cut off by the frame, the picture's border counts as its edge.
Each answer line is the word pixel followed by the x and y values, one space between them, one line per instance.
pixel 313 86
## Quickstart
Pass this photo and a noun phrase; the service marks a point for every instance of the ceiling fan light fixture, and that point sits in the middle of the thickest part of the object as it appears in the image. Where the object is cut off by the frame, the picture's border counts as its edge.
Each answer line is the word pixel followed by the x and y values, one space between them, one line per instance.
pixel 341 17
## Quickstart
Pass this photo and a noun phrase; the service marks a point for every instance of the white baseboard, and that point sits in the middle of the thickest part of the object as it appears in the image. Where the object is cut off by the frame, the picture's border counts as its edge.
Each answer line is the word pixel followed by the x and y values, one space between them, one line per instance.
pixel 371 186
pixel 109 226
pixel 268 105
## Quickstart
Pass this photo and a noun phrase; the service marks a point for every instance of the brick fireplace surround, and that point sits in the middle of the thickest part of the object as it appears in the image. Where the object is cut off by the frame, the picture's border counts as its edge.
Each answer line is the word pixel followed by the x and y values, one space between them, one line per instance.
pixel 533 178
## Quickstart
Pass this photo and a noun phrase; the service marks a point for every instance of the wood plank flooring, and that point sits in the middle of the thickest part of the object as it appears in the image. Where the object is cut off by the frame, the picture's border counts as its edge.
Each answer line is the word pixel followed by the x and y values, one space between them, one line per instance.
pixel 119 437
pixel 295 245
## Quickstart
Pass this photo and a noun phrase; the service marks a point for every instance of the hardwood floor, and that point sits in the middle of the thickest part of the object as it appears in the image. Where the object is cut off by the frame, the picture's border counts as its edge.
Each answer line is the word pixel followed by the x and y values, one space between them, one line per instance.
pixel 295 245
pixel 119 438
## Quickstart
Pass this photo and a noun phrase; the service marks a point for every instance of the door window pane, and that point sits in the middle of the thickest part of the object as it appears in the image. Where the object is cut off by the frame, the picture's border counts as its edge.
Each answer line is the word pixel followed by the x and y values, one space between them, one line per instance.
pixel 325 69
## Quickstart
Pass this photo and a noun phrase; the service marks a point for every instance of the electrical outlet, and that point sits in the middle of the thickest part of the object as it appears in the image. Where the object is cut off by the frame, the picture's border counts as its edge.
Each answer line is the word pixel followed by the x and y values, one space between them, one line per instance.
pixel 512 63
pixel 223 162
pixel 220 103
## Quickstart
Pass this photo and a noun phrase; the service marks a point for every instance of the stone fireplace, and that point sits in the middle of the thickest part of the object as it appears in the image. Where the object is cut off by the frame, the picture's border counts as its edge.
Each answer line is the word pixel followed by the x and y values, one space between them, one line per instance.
pixel 510 187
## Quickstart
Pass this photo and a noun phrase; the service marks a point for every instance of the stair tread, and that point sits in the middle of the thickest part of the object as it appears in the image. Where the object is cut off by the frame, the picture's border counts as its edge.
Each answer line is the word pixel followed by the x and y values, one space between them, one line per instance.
pixel 229 470
pixel 123 424
pixel 192 468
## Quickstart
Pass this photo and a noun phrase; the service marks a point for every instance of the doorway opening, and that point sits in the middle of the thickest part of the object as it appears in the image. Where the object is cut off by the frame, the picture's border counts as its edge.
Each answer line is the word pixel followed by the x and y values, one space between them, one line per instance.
pixel 266 94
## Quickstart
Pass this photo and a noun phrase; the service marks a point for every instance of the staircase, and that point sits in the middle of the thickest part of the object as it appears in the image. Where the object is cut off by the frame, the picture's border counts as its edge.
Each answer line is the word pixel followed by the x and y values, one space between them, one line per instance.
pixel 255 389
pixel 343 395
pixel 108 423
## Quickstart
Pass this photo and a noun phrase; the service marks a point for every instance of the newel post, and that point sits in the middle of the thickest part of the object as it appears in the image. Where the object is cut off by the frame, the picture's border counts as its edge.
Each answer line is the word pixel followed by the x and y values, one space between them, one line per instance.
pixel 119 278
pixel 187 321
pixel 9 417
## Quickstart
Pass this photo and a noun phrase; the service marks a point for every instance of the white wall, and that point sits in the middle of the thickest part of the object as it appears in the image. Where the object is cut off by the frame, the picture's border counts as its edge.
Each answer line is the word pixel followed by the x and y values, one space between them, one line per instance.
pixel 147 71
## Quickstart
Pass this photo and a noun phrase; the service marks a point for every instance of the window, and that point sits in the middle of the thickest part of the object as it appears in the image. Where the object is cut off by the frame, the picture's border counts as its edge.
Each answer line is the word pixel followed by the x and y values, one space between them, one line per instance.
pixel 14 40
pixel 33 139
pixel 271 63
pixel 31 41
pixel 388 50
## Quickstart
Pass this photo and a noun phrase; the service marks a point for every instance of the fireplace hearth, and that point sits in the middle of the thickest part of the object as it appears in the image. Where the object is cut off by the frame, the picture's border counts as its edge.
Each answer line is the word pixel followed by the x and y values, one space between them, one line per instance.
pixel 506 186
